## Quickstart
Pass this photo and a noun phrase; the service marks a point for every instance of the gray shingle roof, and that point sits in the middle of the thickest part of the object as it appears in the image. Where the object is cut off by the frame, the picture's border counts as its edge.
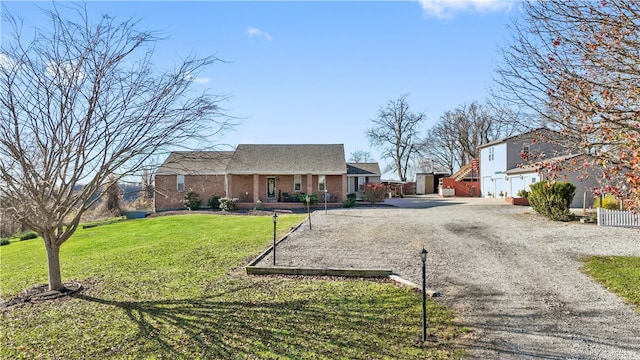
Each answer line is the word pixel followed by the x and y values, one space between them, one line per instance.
pixel 195 163
pixel 288 159
pixel 528 168
pixel 363 169
pixel 547 135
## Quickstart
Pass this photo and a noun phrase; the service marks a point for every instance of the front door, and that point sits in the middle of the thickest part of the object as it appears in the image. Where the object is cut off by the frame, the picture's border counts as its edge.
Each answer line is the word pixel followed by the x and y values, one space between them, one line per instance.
pixel 271 187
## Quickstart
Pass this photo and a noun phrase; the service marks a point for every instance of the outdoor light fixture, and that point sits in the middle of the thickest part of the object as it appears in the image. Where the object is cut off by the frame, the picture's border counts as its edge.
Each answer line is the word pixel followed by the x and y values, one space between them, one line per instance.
pixel 275 221
pixel 423 257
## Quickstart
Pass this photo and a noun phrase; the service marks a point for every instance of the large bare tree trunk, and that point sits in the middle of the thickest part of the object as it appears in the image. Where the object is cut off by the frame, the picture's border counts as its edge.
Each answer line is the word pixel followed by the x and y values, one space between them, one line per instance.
pixel 53 261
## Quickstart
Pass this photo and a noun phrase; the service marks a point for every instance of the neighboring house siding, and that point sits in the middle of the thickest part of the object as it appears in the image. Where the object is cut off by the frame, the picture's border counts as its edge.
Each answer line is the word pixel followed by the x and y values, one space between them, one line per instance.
pixel 167 196
pixel 493 164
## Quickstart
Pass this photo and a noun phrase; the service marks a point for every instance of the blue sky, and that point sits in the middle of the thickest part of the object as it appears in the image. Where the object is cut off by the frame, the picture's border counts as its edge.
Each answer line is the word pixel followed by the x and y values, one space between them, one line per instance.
pixel 317 72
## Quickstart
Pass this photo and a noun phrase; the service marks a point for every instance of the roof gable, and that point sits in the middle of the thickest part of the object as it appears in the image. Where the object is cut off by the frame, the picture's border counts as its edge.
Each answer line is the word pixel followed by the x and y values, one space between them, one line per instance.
pixel 542 133
pixel 363 169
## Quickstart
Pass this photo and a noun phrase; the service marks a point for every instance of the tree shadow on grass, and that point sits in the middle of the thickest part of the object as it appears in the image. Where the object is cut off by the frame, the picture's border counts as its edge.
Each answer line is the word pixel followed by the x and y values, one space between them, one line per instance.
pixel 243 322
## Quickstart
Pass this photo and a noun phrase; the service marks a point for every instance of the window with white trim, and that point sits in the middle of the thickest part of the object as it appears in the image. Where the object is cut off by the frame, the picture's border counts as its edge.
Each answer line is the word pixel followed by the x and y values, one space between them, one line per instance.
pixel 297 183
pixel 180 182
pixel 492 154
pixel 322 183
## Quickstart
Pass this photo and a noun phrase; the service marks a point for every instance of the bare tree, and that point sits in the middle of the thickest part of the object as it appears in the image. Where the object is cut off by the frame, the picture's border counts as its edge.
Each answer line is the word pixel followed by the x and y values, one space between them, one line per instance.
pixel 80 102
pixel 576 65
pixel 361 156
pixel 455 139
pixel 395 130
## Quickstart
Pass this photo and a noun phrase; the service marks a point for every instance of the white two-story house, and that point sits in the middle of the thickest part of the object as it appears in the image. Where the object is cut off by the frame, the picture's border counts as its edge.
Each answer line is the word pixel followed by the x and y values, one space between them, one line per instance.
pixel 504 171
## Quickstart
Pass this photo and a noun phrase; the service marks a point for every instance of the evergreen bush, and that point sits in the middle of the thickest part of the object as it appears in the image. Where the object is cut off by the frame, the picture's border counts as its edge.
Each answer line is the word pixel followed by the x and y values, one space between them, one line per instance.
pixel 192 201
pixel 28 236
pixel 350 202
pixel 214 202
pixel 552 199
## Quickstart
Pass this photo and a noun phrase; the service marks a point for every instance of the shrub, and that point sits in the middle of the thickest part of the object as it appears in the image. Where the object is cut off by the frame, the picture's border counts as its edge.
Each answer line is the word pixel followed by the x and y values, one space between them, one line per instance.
pixel 552 199
pixel 227 204
pixel 192 201
pixel 4 242
pixel 373 192
pixel 313 199
pixel 214 202
pixel 258 205
pixel 350 202
pixel 523 193
pixel 28 236
pixel 609 202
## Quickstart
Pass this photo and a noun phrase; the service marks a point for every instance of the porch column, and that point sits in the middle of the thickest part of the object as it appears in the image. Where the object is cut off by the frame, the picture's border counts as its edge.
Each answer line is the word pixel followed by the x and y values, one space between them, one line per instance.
pixel 228 185
pixel 309 184
pixel 256 187
pixel 343 193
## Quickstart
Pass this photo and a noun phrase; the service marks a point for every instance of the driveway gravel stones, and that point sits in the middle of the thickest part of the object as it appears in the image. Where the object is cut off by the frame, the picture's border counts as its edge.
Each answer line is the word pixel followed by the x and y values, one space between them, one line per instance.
pixel 511 275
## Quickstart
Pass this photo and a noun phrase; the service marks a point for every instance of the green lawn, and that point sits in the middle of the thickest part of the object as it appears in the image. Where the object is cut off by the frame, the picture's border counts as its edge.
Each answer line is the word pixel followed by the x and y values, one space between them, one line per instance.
pixel 170 287
pixel 620 274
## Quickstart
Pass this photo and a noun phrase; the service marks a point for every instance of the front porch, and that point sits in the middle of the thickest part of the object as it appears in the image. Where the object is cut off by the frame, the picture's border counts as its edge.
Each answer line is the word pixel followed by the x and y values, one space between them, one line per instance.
pixel 288 205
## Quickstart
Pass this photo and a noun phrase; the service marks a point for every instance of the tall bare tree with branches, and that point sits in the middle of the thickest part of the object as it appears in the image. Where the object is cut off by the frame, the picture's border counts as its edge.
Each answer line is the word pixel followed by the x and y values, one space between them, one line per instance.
pixel 82 104
pixel 454 140
pixel 396 131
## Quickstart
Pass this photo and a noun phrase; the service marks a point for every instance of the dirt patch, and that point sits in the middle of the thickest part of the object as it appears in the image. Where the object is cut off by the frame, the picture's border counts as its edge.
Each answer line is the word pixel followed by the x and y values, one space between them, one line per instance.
pixel 41 293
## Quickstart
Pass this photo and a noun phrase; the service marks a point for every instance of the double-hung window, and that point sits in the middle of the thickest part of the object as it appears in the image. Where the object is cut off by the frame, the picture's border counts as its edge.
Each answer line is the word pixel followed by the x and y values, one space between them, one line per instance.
pixel 322 183
pixel 492 154
pixel 297 183
pixel 180 182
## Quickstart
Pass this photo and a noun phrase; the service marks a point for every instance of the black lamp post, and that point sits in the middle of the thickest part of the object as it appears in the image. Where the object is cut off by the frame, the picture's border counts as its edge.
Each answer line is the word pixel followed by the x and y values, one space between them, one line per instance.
pixel 325 200
pixel 275 221
pixel 309 210
pixel 423 257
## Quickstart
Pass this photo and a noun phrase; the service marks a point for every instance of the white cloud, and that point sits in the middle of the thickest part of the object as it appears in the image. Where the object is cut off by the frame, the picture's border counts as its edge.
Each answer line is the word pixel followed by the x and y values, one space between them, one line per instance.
pixel 251 31
pixel 6 62
pixel 447 8
pixel 198 80
pixel 67 71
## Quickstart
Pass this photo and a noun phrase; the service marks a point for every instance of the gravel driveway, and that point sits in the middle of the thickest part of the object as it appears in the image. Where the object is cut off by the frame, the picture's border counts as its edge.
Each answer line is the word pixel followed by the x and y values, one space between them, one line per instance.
pixel 511 275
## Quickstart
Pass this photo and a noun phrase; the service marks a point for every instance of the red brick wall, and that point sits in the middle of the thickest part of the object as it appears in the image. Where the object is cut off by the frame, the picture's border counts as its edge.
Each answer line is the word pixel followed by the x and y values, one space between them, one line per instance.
pixel 167 196
pixel 463 188
pixel 240 186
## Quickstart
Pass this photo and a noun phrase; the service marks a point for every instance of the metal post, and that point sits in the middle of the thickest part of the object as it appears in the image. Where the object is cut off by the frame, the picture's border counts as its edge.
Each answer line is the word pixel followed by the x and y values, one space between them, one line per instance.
pixel 309 210
pixel 275 222
pixel 325 201
pixel 423 257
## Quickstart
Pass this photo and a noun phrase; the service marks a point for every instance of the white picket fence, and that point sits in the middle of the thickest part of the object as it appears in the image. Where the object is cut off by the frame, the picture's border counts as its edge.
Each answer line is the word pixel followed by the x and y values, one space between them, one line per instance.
pixel 618 218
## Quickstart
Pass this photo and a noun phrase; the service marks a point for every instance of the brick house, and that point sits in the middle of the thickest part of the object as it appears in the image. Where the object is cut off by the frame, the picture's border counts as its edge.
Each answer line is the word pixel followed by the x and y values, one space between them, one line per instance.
pixel 202 172
pixel 269 173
